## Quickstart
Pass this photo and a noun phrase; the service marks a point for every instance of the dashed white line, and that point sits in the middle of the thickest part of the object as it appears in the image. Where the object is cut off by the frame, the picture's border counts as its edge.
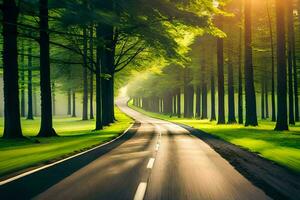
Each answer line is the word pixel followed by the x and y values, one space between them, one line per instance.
pixel 150 163
pixel 157 147
pixel 140 192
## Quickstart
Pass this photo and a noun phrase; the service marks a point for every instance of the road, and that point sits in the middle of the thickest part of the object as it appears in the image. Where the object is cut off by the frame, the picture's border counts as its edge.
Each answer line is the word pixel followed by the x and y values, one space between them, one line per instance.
pixel 159 161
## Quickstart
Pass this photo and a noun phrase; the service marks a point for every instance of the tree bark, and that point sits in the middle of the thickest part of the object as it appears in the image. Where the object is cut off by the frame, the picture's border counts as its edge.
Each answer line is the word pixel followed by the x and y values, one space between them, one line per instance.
pixel 91 73
pixel 99 124
pixel 267 98
pixel 12 123
pixel 263 98
pixel 179 103
pixel 213 98
pixel 69 102
pixel 22 81
pixel 282 122
pixel 220 62
pixel 240 76
pixel 291 61
pixel 85 78
pixel 273 64
pixel 251 113
pixel 46 129
pixel 231 102
pixel 73 103
pixel 198 102
pixel 29 85
pixel 53 99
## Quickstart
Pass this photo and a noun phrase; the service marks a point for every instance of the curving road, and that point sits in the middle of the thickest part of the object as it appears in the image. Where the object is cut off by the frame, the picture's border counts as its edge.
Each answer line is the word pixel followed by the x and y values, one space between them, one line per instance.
pixel 160 161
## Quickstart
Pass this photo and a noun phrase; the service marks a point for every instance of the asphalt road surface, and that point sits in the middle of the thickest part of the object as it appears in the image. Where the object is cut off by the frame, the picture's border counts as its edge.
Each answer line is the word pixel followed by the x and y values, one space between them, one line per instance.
pixel 155 160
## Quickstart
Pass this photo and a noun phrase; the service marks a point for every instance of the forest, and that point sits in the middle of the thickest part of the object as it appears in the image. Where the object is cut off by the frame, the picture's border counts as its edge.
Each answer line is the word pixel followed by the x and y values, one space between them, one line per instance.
pixel 82 75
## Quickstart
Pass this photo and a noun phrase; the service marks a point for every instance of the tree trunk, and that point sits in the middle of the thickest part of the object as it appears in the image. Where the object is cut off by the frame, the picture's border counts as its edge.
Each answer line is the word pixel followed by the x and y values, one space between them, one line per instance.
pixel 267 98
pixel 213 98
pixel 99 125
pixel 273 64
pixel 291 60
pixel 85 78
pixel 35 102
pixel 251 114
pixel 204 100
pixel 91 73
pixel 262 98
pixel 198 102
pixel 240 76
pixel 74 104
pixel 53 99
pixel 12 123
pixel 179 103
pixel 282 122
pixel 220 62
pixel 29 85
pixel 231 102
pixel 22 82
pixel 69 102
pixel 46 129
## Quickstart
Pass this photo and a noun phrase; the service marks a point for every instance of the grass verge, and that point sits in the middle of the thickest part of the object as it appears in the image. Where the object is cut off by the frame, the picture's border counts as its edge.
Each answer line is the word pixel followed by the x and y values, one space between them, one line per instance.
pixel 280 147
pixel 75 136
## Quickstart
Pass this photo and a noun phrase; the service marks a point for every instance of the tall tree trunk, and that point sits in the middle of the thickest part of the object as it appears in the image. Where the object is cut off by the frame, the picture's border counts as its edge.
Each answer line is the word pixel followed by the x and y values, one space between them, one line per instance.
pixel 240 76
pixel 273 63
pixel 267 98
pixel 220 62
pixel 69 102
pixel 46 129
pixel 204 100
pixel 179 103
pixel 99 124
pixel 53 99
pixel 263 98
pixel 12 123
pixel 91 73
pixel 251 113
pixel 212 95
pixel 73 103
pixel 231 102
pixel 35 102
pixel 29 85
pixel 198 102
pixel 282 122
pixel 291 60
pixel 85 78
pixel 22 81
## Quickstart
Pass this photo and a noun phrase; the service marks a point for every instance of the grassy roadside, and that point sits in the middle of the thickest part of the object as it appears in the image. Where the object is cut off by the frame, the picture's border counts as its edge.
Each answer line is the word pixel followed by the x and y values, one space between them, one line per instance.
pixel 75 136
pixel 280 147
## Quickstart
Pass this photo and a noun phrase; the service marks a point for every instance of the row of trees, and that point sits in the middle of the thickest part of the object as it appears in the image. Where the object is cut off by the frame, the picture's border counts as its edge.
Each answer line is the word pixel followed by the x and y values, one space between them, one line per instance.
pixel 72 45
pixel 251 50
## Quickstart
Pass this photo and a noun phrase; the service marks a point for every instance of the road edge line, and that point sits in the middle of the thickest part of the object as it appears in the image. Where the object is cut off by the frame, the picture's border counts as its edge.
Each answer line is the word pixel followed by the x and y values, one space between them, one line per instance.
pixel 62 160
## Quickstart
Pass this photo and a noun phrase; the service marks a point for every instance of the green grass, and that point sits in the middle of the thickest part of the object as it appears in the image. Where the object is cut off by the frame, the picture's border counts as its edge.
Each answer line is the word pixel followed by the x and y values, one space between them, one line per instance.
pixel 280 147
pixel 75 136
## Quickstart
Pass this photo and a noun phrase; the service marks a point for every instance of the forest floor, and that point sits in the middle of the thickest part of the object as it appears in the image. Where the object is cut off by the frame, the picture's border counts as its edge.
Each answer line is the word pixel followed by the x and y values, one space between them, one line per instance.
pixel 282 148
pixel 75 136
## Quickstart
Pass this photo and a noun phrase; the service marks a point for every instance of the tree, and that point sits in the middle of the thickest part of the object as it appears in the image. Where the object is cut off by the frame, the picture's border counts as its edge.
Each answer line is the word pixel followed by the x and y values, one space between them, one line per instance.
pixel 220 63
pixel 46 129
pixel 251 115
pixel 281 123
pixel 12 123
pixel 272 63
pixel 29 85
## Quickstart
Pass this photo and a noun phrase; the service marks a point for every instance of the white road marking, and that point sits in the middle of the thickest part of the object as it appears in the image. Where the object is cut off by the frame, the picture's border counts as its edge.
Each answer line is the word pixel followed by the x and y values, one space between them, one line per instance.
pixel 60 161
pixel 140 192
pixel 157 147
pixel 150 163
